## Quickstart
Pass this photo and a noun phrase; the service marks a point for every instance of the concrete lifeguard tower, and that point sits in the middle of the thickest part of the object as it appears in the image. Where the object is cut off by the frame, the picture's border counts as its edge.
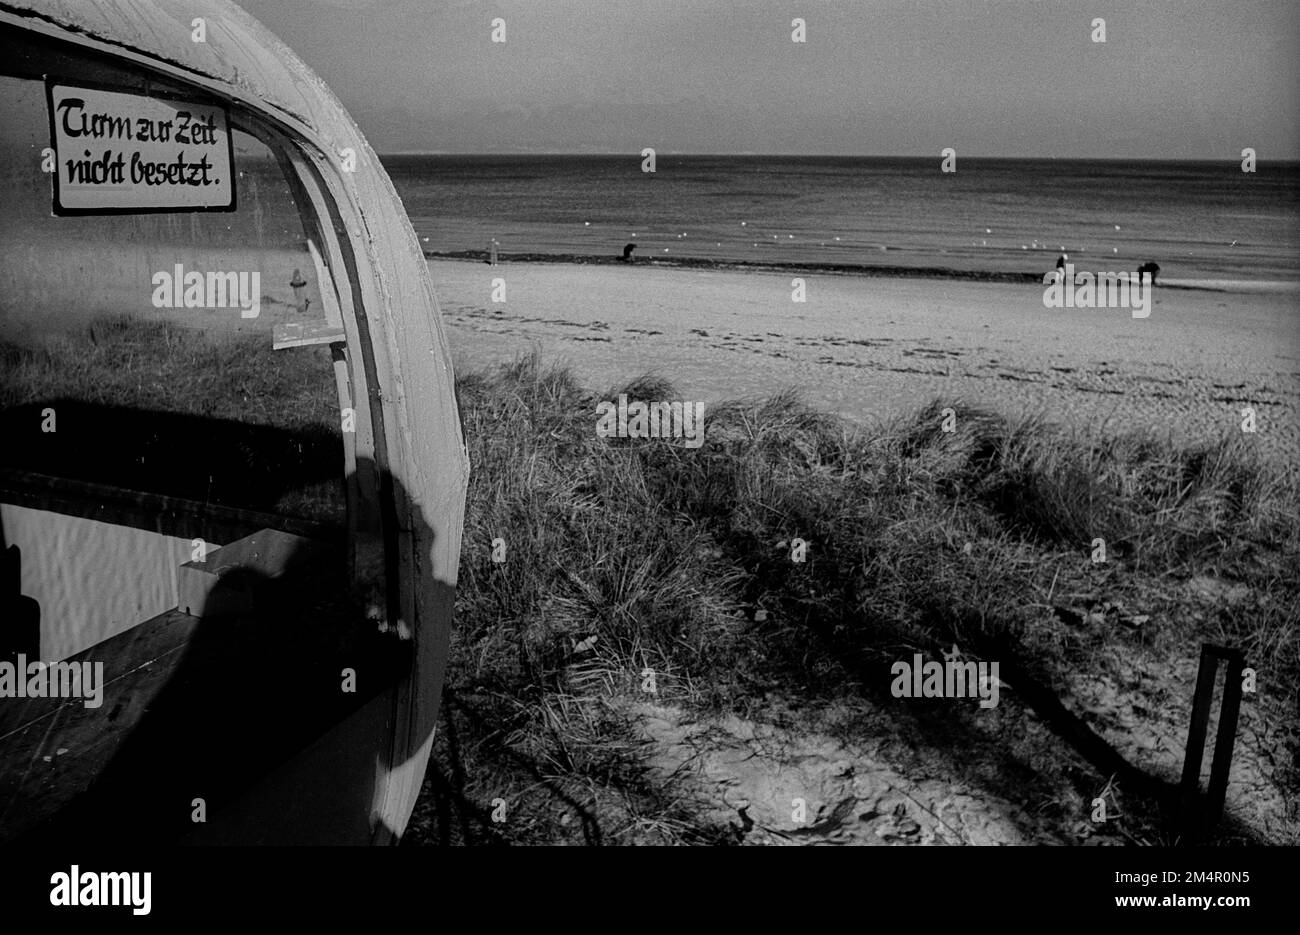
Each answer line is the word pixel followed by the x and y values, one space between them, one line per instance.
pixel 239 701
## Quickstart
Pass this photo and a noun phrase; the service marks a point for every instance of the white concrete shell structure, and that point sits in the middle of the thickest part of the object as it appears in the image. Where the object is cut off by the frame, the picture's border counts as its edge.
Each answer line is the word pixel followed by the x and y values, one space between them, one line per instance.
pixel 360 783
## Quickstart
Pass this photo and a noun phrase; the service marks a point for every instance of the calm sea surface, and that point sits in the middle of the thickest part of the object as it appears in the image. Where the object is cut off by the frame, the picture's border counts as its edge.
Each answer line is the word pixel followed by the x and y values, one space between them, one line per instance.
pixel 1197 220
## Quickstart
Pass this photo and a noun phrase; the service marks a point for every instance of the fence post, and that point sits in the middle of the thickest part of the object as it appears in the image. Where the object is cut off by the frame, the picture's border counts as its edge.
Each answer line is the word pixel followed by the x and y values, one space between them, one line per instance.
pixel 1199 814
pixel 1226 738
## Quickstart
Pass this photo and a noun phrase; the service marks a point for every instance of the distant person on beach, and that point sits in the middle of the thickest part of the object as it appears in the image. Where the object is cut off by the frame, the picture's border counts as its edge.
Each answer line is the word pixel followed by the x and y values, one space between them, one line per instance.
pixel 627 252
pixel 1060 267
pixel 1149 267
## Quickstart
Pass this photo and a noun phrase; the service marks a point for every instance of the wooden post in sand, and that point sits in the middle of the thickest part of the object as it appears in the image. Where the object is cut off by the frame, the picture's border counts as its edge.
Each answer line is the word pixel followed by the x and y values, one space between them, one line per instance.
pixel 1201 814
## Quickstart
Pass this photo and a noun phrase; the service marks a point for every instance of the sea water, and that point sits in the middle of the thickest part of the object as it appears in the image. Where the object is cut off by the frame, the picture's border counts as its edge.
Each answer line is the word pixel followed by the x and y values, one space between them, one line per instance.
pixel 1197 220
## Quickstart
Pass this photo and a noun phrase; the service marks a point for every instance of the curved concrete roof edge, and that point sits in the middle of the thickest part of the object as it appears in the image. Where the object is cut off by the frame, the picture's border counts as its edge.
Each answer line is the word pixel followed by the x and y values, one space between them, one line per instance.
pixel 238 50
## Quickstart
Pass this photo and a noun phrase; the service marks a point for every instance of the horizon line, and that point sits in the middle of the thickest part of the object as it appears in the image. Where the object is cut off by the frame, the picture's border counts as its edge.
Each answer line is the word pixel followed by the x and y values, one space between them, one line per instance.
pixel 753 155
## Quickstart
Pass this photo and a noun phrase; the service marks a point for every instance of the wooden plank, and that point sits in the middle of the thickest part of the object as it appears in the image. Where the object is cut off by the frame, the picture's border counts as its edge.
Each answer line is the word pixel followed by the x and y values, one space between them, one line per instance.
pixel 301 334
pixel 52 750
pixel 328 297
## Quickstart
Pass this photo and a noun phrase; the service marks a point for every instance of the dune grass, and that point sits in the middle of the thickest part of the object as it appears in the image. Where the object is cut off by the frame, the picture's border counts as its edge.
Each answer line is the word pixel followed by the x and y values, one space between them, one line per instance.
pixel 629 556
pixel 632 564
pixel 660 549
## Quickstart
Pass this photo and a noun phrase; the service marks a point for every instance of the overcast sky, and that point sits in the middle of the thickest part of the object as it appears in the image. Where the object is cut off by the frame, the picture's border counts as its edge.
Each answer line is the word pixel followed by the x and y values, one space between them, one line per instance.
pixel 1175 79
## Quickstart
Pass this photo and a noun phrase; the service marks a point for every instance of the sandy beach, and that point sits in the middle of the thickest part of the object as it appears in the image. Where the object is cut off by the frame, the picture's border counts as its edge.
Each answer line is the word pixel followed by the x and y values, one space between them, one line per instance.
pixel 870 347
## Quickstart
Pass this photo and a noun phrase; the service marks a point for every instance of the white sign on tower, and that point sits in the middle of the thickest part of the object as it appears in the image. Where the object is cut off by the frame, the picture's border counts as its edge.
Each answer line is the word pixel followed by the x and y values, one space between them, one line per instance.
pixel 119 152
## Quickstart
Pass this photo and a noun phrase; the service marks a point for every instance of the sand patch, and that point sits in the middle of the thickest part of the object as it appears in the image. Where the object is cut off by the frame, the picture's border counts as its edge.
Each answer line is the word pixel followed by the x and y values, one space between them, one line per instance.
pixel 755 776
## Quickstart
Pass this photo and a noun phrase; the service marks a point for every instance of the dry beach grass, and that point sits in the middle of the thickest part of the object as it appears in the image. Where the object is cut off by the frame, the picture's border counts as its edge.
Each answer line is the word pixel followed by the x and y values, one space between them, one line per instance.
pixel 629 556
